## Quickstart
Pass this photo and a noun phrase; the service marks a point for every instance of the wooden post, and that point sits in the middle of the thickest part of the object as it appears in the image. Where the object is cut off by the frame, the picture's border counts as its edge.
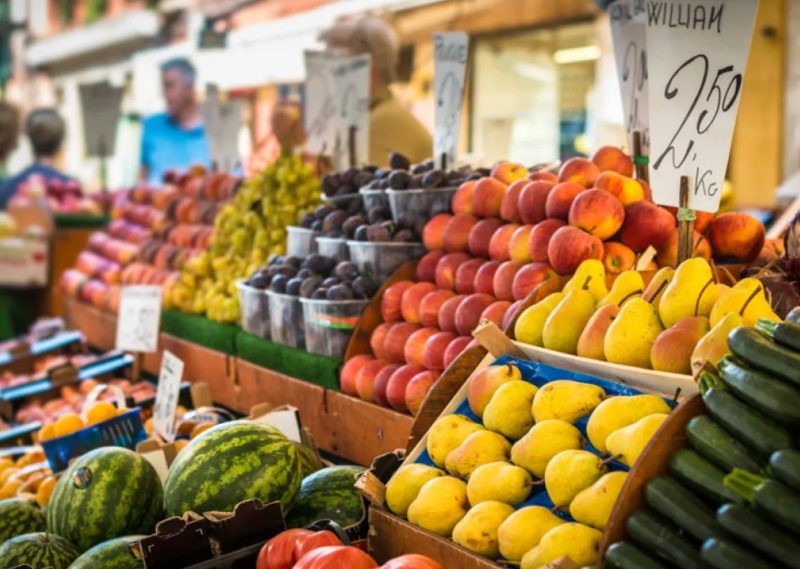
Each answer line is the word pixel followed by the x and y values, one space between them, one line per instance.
pixel 443 162
pixel 136 368
pixel 685 223
pixel 351 145
pixel 640 162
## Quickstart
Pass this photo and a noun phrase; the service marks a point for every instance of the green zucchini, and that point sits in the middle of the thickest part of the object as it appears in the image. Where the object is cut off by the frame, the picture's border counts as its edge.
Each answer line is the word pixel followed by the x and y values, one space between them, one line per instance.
pixel 722 554
pixel 624 555
pixel 794 315
pixel 774 498
pixel 682 507
pixel 701 475
pixel 652 533
pixel 759 351
pixel 766 393
pixel 785 465
pixel 746 524
pixel 708 438
pixel 787 333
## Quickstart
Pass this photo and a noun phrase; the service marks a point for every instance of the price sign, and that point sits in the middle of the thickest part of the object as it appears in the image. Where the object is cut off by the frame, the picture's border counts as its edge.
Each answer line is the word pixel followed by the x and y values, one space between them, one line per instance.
pixel 319 100
pixel 629 30
pixel 169 385
pixel 698 53
pixel 139 318
pixel 450 54
pixel 351 77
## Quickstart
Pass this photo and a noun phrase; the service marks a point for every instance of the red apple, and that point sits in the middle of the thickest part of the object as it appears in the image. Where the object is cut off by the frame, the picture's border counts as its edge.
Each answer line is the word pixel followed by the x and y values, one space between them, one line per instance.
pixel 570 246
pixel 736 236
pixel 481 234
pixel 426 268
pixel 510 313
pixel 395 342
pixel 529 277
pixel 381 383
pixel 377 339
pixel 498 244
pixel 504 279
pixel 347 379
pixel 391 299
pixel 457 231
pixel 465 276
pixel 417 389
pixel 396 388
pixel 412 297
pixel 487 197
pixel 365 379
pixel 462 199
pixel 539 239
pixel 447 315
pixel 431 305
pixel 532 200
pixel 509 172
pixel 580 171
pixel 446 269
pixel 597 212
pixel 454 349
pixel 415 345
pixel 433 357
pixel 484 278
pixel 509 208
pixel 612 158
pixel 646 224
pixel 560 198
pixel 469 312
pixel 433 232
pixel 496 311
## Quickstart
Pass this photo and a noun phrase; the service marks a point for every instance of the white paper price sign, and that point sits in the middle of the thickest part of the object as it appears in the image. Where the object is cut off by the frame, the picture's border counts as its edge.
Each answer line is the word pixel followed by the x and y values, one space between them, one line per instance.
pixel 450 54
pixel 169 386
pixel 139 318
pixel 351 77
pixel 698 51
pixel 629 30
pixel 319 104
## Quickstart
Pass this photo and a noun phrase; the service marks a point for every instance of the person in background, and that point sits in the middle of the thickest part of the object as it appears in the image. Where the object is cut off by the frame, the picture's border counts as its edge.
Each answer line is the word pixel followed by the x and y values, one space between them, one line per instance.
pixel 9 132
pixel 175 139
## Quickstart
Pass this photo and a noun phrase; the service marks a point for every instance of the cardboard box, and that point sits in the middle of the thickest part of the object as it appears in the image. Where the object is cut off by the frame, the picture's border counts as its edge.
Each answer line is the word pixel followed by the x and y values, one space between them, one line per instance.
pixel 24 262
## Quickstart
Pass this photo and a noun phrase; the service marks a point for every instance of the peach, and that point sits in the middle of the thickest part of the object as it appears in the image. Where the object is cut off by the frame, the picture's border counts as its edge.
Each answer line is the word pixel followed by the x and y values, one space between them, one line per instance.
pixel 396 387
pixel 415 345
pixel 417 389
pixel 454 349
pixel 611 158
pixel 510 314
pixel 509 172
pixel 496 311
pixel 447 315
pixel 411 300
pixel 456 234
pixel 543 176
pixel 736 236
pixel 498 244
pixel 668 253
pixel 627 190
pixel 446 269
pixel 581 171
pixel 509 208
pixel 395 342
pixel 433 358
pixel 487 197
pixel 469 312
pixel 431 304
pixel 570 246
pixel 540 237
pixel 529 277
pixel 465 275
pixel 618 257
pixel 481 234
pixel 377 339
pixel 532 200
pixel 426 268
pixel 347 379
pixel 433 232
pixel 484 278
pixel 365 380
pixel 560 198
pixel 381 382
pixel 462 199
pixel 391 300
pixel 597 212
pixel 518 244
pixel 646 224
pixel 504 279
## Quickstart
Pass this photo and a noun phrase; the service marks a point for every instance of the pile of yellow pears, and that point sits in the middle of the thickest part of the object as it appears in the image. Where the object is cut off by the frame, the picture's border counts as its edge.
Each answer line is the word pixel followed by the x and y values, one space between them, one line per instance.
pixel 484 473
pixel 682 316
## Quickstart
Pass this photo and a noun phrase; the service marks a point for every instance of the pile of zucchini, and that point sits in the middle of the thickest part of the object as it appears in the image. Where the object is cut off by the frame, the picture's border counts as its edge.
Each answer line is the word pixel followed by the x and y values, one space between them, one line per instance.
pixel 732 499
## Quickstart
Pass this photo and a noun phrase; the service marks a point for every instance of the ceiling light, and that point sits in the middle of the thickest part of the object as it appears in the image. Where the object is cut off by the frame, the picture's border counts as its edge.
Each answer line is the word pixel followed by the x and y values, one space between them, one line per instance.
pixel 576 54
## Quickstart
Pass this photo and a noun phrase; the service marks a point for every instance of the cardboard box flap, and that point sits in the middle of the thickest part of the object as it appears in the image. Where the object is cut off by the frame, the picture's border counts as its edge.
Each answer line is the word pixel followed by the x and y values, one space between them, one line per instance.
pixel 251 522
pixel 372 483
pixel 63 374
pixel 178 542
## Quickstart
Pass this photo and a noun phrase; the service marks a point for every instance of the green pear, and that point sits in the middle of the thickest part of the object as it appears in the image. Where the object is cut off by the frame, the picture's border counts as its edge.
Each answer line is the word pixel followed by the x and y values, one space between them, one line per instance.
pixel 530 323
pixel 499 482
pixel 578 542
pixel 446 434
pixel 523 530
pixel 563 327
pixel 545 440
pixel 691 292
pixel 593 505
pixel 509 411
pixel 477 531
pixel 566 400
pixel 404 486
pixel 569 472
pixel 479 448
pixel 632 334
pixel 630 441
pixel 620 411
pixel 440 505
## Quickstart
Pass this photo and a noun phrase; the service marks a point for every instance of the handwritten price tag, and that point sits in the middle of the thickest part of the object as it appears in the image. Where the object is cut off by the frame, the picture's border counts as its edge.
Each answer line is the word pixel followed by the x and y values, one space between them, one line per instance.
pixel 169 386
pixel 629 30
pixel 139 318
pixel 698 51
pixel 320 104
pixel 351 78
pixel 449 65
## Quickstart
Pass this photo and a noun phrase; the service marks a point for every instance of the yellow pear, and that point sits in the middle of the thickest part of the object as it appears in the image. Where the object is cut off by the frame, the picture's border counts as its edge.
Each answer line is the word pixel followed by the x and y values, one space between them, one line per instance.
pixel 569 472
pixel 404 486
pixel 632 334
pixel 748 299
pixel 509 411
pixel 440 505
pixel 523 530
pixel 590 275
pixel 593 505
pixel 530 323
pixel 485 382
pixel 691 292
pixel 479 448
pixel 446 434
pixel 658 284
pixel 620 411
pixel 564 325
pixel 578 542
pixel 590 344
pixel 566 399
pixel 477 531
pixel 625 286
pixel 714 345
pixel 545 440
pixel 630 441
pixel 499 482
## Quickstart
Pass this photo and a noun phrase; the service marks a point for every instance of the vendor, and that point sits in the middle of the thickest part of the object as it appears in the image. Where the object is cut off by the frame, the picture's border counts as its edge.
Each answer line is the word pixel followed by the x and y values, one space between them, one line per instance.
pixel 175 139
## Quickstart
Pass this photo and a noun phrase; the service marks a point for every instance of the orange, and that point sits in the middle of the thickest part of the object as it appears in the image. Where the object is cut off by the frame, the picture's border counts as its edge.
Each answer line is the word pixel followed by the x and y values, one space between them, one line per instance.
pixel 8 473
pixel 47 432
pixel 148 426
pixel 68 424
pixel 31 457
pixel 5 462
pixel 199 428
pixel 45 490
pixel 9 489
pixel 99 412
pixel 180 444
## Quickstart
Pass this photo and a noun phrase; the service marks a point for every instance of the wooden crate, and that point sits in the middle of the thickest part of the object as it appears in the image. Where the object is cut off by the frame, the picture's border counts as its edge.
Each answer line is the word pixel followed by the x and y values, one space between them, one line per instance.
pixel 98 326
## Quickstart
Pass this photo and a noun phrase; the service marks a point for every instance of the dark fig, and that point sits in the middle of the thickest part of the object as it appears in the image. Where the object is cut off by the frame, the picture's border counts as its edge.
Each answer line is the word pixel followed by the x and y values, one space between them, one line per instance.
pixel 362 233
pixel 333 221
pixel 362 179
pixel 293 286
pixel 278 283
pixel 378 234
pixel 404 236
pixel 351 224
pixel 340 292
pixel 259 280
pixel 416 181
pixel 346 271
pixel 331 281
pixel 309 285
pixel 320 294
pixel 433 179
pixel 398 161
pixel 382 173
pixel 371 168
pixel 378 215
pixel 399 180
pixel 363 287
pixel 304 274
pixel 307 220
pixel 293 262
pixel 323 210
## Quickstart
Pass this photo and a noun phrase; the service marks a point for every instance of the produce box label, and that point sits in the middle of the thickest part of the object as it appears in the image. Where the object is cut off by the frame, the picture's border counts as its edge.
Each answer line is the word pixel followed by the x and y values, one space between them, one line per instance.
pixel 169 386
pixel 319 112
pixel 698 51
pixel 23 262
pixel 450 55
pixel 351 79
pixel 139 318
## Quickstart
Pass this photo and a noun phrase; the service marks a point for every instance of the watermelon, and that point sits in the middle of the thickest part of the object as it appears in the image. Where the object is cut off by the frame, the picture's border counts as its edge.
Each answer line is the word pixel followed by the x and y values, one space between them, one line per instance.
pixel 112 554
pixel 309 460
pixel 39 550
pixel 230 463
pixel 18 516
pixel 329 494
pixel 106 493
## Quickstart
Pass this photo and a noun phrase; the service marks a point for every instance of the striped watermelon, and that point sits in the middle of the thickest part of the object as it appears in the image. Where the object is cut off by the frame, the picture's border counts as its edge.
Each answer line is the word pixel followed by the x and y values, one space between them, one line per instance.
pixel 329 494
pixel 38 550
pixel 106 493
pixel 309 460
pixel 112 554
pixel 18 516
pixel 229 463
